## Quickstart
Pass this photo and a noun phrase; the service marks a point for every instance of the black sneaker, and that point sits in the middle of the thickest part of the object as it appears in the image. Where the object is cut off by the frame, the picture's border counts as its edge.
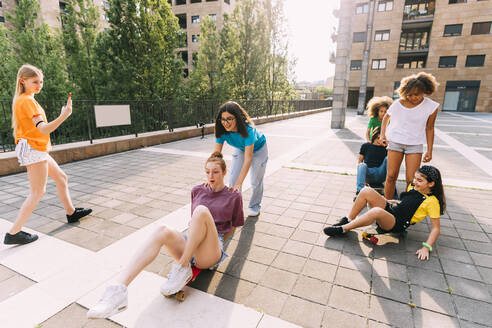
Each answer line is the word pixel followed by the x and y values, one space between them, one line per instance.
pixel 333 231
pixel 343 221
pixel 79 213
pixel 20 238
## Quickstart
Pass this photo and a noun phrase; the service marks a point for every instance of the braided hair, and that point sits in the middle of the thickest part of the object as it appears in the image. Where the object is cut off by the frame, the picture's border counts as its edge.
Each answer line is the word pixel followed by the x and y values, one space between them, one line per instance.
pixel 432 174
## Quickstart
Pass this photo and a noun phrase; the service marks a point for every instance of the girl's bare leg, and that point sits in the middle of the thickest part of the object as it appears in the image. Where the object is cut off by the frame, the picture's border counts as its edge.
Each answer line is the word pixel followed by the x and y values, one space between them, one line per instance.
pixel 203 240
pixel 366 196
pixel 412 164
pixel 162 236
pixel 384 219
pixel 394 162
pixel 61 179
pixel 38 175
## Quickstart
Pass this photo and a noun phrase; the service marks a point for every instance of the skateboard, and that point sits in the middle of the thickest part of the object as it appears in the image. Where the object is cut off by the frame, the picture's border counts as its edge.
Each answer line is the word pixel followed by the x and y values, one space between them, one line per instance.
pixel 181 295
pixel 380 238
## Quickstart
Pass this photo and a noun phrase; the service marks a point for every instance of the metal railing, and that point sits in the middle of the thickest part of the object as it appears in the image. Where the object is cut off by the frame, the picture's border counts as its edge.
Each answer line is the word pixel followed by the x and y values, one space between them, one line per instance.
pixel 146 116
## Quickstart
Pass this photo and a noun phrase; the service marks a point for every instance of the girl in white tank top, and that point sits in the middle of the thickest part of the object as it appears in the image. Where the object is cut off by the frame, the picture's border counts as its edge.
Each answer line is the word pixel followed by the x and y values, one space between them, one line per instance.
pixel 407 125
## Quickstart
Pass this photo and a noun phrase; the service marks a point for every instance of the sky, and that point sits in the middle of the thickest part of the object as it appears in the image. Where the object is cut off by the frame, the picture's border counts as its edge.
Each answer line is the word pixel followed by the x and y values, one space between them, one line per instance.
pixel 310 25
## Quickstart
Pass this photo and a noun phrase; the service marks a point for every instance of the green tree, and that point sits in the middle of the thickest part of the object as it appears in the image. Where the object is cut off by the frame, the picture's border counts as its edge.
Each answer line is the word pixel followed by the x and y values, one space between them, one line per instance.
pixel 327 92
pixel 136 56
pixel 8 67
pixel 247 50
pixel 206 79
pixel 279 85
pixel 35 43
pixel 80 28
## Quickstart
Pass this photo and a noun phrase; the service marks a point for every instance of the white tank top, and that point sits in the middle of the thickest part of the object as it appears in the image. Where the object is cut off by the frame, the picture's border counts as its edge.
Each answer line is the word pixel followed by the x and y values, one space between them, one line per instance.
pixel 407 125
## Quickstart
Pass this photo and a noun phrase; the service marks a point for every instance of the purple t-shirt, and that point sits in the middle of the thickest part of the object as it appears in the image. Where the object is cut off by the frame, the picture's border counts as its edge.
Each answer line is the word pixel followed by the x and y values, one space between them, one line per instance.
pixel 226 206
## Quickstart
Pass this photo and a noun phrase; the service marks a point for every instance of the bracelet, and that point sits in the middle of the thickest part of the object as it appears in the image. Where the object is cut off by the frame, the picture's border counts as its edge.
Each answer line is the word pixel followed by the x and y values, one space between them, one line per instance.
pixel 427 245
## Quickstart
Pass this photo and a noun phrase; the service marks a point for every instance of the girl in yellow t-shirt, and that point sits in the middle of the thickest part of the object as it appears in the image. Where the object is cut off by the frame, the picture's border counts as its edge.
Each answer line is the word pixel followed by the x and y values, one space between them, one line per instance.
pixel 32 137
pixel 424 198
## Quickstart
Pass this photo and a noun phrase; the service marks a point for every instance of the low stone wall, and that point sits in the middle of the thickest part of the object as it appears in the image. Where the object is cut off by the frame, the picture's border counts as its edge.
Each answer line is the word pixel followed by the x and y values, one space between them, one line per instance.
pixel 82 150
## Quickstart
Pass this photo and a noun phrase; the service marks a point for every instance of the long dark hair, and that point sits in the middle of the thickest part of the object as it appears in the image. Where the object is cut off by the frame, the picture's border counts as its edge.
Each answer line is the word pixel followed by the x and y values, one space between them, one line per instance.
pixel 432 174
pixel 242 119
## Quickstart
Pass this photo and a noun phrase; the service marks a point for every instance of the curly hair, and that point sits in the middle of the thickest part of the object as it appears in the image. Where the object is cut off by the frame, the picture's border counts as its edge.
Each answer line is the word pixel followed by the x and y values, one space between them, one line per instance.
pixel 242 119
pixel 424 82
pixel 375 103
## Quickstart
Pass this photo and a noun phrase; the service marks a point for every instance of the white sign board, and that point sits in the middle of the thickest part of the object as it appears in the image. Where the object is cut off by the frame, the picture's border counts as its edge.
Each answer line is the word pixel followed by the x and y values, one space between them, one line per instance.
pixel 111 115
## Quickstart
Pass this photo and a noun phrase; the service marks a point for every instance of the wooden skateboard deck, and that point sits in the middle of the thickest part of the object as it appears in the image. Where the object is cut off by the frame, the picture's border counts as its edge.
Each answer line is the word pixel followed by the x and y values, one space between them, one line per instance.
pixel 379 239
pixel 181 295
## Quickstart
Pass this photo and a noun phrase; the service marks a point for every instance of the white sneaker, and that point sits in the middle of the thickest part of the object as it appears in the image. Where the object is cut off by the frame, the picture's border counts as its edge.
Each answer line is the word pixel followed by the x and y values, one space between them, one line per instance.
pixel 178 277
pixel 252 212
pixel 114 300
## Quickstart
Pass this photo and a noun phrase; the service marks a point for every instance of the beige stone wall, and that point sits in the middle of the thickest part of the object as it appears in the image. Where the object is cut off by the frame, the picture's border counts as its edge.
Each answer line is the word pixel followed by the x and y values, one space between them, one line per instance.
pixel 201 9
pixel 461 46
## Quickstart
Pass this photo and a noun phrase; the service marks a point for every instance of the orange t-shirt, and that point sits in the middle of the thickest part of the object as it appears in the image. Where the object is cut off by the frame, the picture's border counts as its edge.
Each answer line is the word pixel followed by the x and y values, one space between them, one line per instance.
pixel 25 109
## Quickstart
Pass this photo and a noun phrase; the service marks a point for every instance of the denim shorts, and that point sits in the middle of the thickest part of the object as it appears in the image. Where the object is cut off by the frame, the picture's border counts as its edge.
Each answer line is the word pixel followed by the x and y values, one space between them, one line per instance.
pixel 222 258
pixel 406 149
pixel 26 155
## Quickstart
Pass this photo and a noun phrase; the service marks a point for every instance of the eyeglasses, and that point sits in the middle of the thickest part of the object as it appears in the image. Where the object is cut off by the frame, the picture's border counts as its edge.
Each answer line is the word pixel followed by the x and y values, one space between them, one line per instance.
pixel 229 119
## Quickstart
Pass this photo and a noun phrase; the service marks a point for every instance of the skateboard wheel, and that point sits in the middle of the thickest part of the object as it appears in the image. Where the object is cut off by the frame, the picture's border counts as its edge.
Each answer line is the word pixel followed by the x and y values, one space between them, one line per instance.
pixel 181 296
pixel 374 240
pixel 364 235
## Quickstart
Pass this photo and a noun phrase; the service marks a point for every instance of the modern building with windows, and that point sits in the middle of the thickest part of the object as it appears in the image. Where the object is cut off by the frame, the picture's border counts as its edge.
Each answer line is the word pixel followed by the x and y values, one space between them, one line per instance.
pixel 190 13
pixel 451 39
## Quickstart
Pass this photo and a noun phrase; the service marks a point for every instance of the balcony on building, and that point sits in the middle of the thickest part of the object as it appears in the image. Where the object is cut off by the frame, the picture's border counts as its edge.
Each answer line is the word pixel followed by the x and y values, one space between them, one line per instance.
pixel 414 48
pixel 418 13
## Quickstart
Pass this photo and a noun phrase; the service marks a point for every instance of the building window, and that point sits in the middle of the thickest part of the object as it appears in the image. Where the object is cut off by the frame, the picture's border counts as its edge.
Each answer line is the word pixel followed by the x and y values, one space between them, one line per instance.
pixel 453 30
pixel 362 8
pixel 378 64
pixel 213 16
pixel 180 2
pixel 385 5
pixel 359 37
pixel 195 1
pixel 414 40
pixel 355 65
pixel 396 86
pixel 447 61
pixel 211 0
pixel 481 28
pixel 0 4
pixel 227 1
pixel 411 62
pixel 182 20
pixel 456 1
pixel 382 35
pixel 2 19
pixel 415 9
pixel 195 38
pixel 195 19
pixel 170 2
pixel 475 60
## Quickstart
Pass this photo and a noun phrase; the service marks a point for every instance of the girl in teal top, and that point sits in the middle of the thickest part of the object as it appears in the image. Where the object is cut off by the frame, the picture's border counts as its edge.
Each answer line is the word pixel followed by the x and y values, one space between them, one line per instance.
pixel 234 126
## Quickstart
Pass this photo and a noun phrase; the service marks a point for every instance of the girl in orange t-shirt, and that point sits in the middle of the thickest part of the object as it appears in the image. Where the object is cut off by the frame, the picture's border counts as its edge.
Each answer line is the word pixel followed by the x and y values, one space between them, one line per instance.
pixel 32 138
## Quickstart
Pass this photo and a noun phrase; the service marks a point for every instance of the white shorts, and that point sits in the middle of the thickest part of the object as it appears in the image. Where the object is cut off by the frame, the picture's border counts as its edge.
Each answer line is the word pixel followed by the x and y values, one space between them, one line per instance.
pixel 26 155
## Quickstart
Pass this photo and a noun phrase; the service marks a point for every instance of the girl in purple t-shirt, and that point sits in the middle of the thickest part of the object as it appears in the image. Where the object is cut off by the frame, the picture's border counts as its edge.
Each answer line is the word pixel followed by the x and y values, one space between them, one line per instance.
pixel 216 212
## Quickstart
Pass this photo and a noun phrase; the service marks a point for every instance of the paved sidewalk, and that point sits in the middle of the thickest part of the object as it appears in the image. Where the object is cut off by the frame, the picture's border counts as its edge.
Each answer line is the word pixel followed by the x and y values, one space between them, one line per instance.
pixel 281 264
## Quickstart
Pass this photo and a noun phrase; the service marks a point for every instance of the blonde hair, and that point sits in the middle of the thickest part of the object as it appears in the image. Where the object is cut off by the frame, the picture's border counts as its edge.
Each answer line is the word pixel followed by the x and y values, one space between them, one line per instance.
pixel 375 103
pixel 25 72
pixel 217 157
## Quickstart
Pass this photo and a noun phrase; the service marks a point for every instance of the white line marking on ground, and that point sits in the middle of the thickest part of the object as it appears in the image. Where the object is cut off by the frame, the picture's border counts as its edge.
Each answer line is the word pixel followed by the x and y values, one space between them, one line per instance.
pixel 479 160
pixel 470 117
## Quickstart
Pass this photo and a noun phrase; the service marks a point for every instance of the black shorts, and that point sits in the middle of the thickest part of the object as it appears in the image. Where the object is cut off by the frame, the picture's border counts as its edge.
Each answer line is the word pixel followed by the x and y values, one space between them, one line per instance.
pixel 401 224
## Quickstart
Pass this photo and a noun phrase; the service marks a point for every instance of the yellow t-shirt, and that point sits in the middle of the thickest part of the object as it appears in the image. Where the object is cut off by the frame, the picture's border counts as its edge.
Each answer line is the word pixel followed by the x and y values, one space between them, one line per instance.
pixel 25 109
pixel 429 207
